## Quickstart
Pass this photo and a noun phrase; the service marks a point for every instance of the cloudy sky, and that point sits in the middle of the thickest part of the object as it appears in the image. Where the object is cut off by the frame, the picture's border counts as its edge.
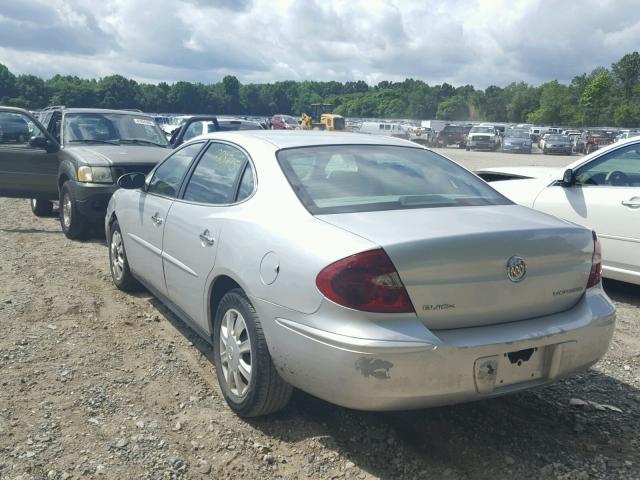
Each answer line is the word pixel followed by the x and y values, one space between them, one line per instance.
pixel 480 42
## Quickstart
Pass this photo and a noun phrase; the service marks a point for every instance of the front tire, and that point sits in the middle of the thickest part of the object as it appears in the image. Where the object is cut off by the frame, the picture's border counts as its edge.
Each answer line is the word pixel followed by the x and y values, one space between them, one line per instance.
pixel 41 208
pixel 249 381
pixel 118 263
pixel 73 224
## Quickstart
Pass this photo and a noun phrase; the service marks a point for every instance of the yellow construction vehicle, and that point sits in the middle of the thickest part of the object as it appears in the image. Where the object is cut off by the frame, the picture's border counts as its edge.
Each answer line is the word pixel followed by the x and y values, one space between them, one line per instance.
pixel 321 118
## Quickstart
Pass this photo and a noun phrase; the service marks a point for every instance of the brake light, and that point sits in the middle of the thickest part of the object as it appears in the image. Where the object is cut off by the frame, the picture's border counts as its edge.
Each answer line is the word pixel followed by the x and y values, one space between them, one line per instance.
pixel 367 281
pixel 595 276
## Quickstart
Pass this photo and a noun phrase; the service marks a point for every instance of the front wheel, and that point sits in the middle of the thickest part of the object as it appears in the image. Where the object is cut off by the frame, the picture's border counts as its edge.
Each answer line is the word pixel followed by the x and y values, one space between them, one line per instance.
pixel 249 381
pixel 118 263
pixel 73 224
pixel 41 208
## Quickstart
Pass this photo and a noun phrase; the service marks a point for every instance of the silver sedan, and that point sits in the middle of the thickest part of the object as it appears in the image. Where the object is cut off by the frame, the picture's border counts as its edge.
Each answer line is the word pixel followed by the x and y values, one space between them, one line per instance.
pixel 368 271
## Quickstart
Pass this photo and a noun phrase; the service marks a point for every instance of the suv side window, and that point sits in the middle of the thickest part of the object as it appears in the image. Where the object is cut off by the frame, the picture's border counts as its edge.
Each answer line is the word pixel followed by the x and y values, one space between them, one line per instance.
pixel 214 178
pixel 620 168
pixel 168 176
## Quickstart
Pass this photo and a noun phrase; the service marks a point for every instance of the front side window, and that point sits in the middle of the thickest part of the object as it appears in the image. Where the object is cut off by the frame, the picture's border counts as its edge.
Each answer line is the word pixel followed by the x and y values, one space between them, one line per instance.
pixel 111 128
pixel 168 176
pixel 358 178
pixel 214 178
pixel 620 168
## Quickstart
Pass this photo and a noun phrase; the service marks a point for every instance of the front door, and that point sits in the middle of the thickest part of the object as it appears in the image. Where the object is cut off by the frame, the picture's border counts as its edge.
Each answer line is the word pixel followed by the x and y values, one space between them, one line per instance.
pixel 195 225
pixel 145 222
pixel 606 198
pixel 28 157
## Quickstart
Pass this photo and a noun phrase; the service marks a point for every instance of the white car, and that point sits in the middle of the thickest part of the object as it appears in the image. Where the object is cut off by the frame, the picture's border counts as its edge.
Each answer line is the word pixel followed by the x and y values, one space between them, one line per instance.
pixel 600 191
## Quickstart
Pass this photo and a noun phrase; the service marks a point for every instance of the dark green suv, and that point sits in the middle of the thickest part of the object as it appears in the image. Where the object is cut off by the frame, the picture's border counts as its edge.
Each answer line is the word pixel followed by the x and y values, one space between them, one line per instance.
pixel 74 156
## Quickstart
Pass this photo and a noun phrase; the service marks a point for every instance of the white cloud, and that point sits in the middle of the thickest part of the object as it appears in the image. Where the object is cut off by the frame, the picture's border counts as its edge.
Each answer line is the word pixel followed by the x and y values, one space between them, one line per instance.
pixel 481 42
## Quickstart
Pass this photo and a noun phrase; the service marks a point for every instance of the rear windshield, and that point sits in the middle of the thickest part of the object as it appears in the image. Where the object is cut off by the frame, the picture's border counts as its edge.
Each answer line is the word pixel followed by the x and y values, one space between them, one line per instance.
pixel 362 178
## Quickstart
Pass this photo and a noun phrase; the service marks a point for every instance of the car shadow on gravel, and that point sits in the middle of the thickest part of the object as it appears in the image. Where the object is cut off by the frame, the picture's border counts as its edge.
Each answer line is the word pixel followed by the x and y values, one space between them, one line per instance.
pixel 622 292
pixel 519 435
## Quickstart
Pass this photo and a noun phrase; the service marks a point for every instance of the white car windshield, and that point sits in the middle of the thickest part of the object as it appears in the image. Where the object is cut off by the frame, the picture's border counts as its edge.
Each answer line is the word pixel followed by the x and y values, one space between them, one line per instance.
pixel 482 130
pixel 358 178
pixel 112 128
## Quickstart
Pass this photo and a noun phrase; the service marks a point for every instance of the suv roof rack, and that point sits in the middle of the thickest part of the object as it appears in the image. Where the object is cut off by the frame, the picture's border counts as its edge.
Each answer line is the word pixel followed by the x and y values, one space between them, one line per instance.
pixel 54 107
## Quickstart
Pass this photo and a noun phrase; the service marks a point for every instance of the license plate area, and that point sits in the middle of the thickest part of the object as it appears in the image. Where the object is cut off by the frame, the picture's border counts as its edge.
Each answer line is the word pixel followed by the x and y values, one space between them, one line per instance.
pixel 510 368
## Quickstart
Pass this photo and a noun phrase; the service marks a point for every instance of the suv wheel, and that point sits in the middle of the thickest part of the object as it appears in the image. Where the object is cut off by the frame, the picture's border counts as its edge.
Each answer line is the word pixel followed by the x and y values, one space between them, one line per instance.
pixel 41 208
pixel 249 381
pixel 118 263
pixel 74 225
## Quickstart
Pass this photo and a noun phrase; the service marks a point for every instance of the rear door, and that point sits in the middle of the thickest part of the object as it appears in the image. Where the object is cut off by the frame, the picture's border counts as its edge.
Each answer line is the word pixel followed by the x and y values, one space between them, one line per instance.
pixel 144 223
pixel 605 198
pixel 222 177
pixel 28 157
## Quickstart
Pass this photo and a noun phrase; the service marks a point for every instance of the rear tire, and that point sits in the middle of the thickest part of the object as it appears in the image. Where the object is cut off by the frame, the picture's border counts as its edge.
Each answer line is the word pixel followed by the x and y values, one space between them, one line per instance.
pixel 41 208
pixel 73 224
pixel 238 343
pixel 118 263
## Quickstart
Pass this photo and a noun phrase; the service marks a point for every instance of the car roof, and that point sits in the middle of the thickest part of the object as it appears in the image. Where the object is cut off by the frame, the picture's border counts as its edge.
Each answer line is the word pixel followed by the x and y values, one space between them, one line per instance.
pixel 305 138
pixel 105 110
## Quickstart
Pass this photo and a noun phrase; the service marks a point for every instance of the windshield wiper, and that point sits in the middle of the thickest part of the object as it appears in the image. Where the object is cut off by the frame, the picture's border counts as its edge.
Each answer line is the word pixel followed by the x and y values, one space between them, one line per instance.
pixel 89 140
pixel 142 142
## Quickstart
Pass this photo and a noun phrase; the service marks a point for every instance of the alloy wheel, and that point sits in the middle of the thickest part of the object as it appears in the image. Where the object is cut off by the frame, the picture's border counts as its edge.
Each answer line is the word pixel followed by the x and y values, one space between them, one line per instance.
pixel 235 352
pixel 66 210
pixel 117 255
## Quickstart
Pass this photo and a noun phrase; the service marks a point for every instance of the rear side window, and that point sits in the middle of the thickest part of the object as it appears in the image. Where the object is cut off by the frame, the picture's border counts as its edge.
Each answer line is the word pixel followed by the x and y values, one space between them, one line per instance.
pixel 168 176
pixel 214 178
pixel 358 178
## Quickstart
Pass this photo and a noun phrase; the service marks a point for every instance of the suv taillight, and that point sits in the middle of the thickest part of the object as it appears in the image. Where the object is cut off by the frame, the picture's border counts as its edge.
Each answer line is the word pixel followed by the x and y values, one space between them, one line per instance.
pixel 595 276
pixel 367 281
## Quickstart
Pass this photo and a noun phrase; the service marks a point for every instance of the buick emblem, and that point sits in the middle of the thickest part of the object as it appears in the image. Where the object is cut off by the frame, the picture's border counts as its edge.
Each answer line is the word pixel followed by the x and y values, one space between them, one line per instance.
pixel 516 269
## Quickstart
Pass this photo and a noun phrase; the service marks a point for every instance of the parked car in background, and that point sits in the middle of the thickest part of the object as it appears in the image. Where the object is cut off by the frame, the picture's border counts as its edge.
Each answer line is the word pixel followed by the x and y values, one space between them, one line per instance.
pixel 601 191
pixel 453 135
pixel 556 144
pixel 628 134
pixel 388 129
pixel 516 140
pixel 402 265
pixel 421 135
pixel 483 137
pixel 75 157
pixel 14 128
pixel 536 133
pixel 591 140
pixel 203 124
pixel 284 122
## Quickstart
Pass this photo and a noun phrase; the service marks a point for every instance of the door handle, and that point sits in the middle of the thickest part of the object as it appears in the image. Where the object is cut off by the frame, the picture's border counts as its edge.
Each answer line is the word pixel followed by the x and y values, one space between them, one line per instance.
pixel 633 202
pixel 156 219
pixel 207 239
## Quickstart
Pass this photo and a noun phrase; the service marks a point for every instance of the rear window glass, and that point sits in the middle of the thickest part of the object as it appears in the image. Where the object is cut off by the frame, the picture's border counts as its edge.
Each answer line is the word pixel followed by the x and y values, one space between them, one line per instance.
pixel 359 178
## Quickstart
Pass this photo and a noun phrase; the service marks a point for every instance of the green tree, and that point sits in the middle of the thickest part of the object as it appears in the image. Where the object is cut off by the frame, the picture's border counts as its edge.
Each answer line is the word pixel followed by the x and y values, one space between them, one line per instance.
pixel 453 108
pixel 595 99
pixel 627 72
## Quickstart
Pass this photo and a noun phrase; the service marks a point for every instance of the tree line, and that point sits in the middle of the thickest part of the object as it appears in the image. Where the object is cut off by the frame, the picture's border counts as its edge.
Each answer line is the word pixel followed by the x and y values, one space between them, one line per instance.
pixel 606 96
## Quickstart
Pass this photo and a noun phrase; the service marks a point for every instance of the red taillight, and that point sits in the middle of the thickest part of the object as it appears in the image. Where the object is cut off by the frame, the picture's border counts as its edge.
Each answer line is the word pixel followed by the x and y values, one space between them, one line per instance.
pixel 596 263
pixel 366 281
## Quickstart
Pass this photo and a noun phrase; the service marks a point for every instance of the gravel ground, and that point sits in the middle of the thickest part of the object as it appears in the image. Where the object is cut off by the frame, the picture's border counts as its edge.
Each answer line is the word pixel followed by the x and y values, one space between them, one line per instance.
pixel 99 384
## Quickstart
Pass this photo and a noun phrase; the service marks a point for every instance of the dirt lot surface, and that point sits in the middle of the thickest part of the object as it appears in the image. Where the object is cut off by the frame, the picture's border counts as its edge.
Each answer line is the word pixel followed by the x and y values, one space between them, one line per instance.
pixel 98 384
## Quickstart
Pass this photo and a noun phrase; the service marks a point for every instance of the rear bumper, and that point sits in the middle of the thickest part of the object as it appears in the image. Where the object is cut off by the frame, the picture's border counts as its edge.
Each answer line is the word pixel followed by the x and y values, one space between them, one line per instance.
pixel 419 368
pixel 92 199
pixel 516 148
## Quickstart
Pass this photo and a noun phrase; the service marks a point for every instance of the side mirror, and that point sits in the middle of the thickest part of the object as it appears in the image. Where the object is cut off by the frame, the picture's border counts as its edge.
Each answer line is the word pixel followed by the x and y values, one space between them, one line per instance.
pixel 568 178
pixel 131 181
pixel 43 143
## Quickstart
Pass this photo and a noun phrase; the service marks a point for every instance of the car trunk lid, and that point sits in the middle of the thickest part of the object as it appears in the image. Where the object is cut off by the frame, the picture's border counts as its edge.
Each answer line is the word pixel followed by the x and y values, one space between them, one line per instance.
pixel 453 261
